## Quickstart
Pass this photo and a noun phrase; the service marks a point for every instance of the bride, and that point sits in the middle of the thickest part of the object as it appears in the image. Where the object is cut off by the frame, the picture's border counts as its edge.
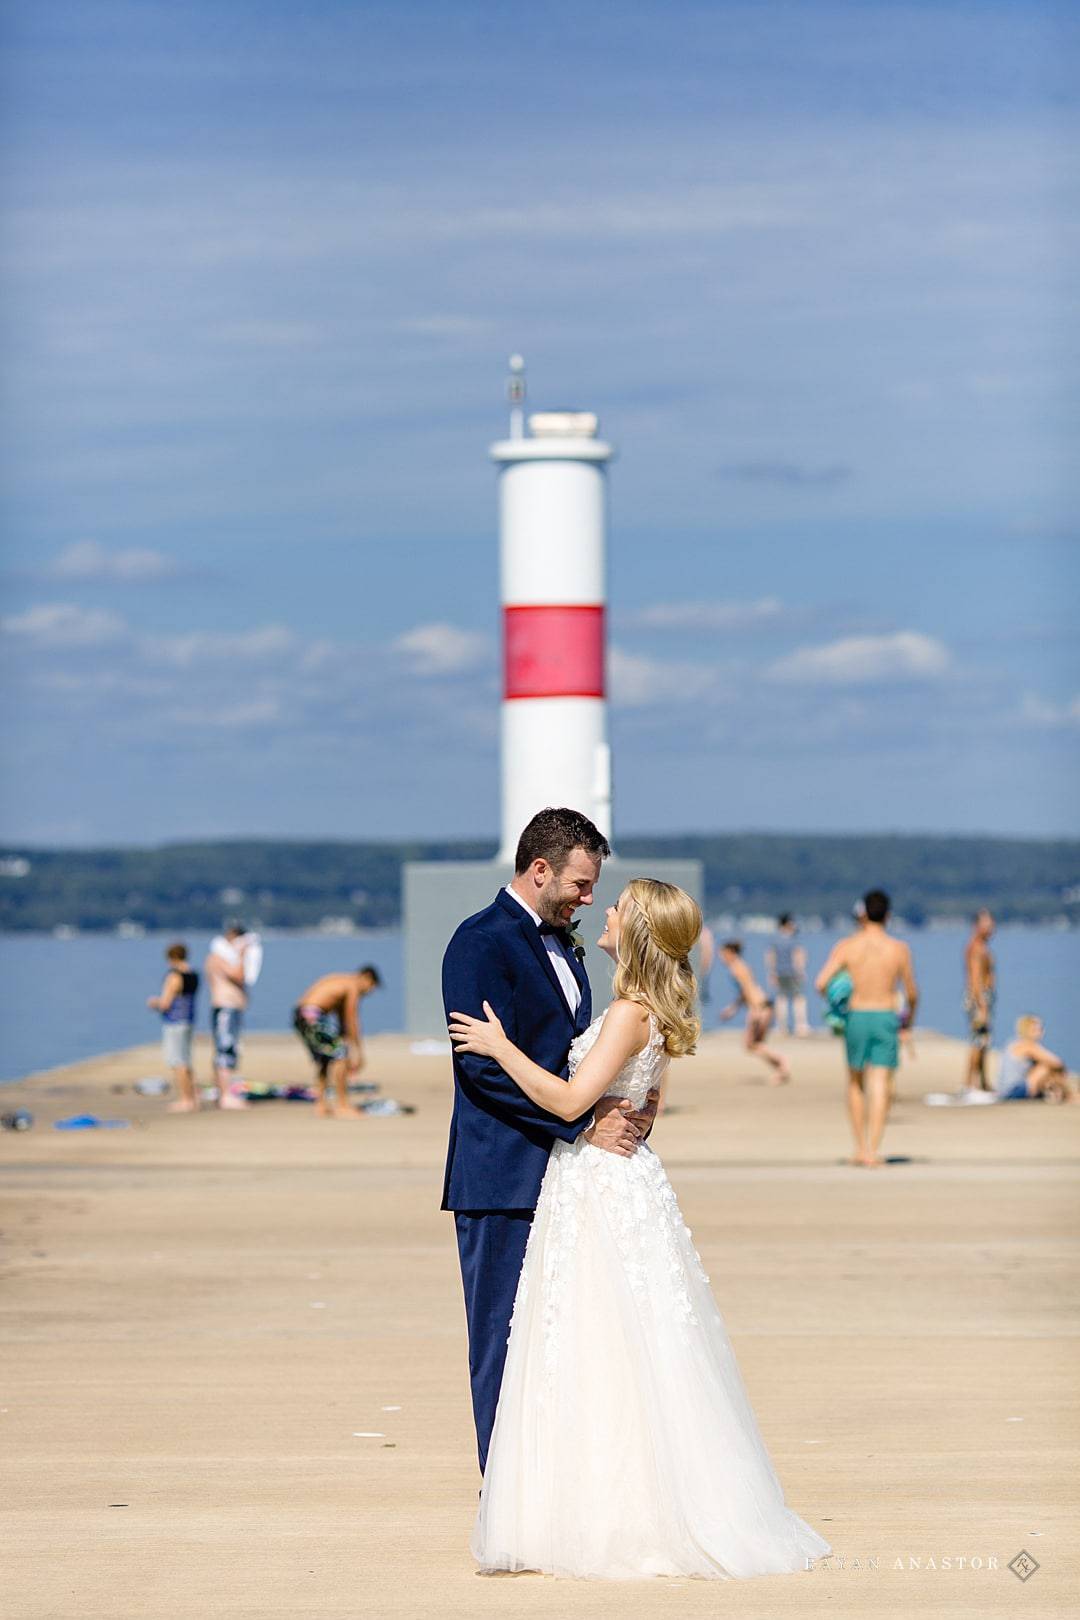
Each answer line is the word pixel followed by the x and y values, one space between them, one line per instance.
pixel 624 1443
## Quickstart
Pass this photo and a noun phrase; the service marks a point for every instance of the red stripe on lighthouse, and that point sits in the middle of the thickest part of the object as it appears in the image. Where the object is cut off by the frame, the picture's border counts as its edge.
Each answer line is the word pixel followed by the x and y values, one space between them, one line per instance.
pixel 554 651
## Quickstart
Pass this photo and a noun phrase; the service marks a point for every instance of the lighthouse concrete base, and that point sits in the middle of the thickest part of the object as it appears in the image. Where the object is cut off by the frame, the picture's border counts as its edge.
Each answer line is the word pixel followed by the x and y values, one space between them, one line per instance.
pixel 438 896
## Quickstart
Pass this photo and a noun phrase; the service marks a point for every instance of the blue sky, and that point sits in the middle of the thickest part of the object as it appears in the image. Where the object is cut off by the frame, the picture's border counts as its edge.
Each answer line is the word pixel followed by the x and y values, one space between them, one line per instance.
pixel 813 264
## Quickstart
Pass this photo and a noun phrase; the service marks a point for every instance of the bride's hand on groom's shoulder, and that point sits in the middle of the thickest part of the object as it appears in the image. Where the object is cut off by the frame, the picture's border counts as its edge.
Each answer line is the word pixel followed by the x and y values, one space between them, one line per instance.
pixel 484 1036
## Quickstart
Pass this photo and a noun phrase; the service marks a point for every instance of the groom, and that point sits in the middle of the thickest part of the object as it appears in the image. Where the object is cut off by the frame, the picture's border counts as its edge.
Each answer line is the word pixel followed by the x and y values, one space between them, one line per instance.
pixel 516 954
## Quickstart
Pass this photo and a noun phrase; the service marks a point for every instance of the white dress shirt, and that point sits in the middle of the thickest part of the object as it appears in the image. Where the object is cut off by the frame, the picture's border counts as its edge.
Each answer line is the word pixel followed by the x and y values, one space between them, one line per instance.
pixel 559 959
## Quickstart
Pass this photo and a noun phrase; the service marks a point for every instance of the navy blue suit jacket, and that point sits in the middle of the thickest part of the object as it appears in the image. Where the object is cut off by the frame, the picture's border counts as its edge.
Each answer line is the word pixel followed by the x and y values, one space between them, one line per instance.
pixel 499 1138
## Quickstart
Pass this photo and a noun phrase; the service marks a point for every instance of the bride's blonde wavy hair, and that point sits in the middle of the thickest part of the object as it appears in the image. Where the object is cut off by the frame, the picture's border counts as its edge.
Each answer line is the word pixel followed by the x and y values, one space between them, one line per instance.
pixel 659 926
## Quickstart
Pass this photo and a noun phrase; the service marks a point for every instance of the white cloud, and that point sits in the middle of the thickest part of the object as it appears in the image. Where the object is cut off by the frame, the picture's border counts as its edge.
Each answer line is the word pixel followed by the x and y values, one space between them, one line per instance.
pixel 87 559
pixel 1036 711
pixel 696 211
pixel 265 644
pixel 442 649
pixel 1039 528
pixel 444 326
pixel 788 474
pixel 64 625
pixel 709 615
pixel 268 334
pixel 258 712
pixel 87 685
pixel 320 654
pixel 639 683
pixel 906 655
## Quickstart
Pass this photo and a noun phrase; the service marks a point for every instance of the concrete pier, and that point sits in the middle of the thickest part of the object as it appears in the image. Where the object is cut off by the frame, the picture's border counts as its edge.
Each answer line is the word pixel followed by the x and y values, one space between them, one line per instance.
pixel 234 1359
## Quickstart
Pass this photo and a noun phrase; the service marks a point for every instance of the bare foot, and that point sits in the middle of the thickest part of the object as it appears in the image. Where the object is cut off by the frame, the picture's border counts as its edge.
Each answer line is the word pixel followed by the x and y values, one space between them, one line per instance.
pixel 228 1100
pixel 347 1111
pixel 183 1105
pixel 873 1163
pixel 780 1075
pixel 322 1108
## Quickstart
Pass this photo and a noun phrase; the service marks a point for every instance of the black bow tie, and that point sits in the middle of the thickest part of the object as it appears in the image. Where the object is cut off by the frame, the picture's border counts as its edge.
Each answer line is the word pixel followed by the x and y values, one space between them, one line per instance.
pixel 561 934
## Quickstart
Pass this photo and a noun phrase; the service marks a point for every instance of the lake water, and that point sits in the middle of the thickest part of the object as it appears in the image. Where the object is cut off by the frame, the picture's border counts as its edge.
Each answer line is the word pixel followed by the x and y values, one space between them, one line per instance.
pixel 65 999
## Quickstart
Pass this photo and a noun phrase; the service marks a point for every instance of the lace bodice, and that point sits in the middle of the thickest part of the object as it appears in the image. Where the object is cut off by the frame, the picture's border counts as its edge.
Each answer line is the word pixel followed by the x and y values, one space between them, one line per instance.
pixel 636 1076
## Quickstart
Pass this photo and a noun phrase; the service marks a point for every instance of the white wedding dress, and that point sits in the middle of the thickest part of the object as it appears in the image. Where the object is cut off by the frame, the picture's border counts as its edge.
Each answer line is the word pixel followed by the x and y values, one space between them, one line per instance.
pixel 624 1444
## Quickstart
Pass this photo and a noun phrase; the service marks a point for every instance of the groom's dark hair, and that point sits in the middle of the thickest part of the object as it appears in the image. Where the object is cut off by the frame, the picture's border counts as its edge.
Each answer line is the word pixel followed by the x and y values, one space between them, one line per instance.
pixel 552 834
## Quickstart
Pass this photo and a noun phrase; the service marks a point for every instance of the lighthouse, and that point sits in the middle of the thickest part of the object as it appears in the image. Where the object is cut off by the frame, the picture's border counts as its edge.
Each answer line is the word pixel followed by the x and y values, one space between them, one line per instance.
pixel 553 590
pixel 552 502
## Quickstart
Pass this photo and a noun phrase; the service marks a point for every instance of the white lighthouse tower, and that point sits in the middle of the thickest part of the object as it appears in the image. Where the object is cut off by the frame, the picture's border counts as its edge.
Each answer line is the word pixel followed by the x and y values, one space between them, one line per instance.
pixel 553 592
pixel 552 564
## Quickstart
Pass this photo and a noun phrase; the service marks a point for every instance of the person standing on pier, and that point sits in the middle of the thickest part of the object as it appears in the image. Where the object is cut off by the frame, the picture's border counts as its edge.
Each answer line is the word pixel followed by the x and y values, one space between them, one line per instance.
pixel 224 969
pixel 980 984
pixel 176 1004
pixel 785 962
pixel 880 967
pixel 518 956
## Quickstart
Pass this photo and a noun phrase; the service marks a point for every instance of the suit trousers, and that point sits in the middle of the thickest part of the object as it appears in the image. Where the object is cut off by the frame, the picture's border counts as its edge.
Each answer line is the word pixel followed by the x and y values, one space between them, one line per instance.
pixel 491 1248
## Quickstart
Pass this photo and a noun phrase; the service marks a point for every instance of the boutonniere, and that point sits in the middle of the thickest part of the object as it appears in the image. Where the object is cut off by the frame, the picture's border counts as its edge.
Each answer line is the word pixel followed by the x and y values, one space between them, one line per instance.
pixel 577 944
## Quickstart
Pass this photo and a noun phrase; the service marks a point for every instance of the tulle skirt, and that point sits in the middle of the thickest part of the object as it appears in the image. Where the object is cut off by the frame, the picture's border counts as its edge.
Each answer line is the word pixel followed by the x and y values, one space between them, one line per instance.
pixel 624 1443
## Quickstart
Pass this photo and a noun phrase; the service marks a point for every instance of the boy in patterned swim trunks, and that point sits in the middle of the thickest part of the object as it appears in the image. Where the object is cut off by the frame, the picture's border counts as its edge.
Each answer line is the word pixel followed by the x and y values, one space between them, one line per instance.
pixel 759 1011
pixel 327 1020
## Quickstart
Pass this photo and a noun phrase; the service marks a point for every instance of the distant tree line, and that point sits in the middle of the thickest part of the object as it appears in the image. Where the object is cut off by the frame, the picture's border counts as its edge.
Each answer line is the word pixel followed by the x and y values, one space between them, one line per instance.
pixel 287 884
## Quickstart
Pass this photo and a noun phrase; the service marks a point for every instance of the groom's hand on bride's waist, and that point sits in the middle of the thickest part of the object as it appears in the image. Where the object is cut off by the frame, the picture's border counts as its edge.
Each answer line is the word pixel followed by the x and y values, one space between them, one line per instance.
pixel 645 1118
pixel 618 1128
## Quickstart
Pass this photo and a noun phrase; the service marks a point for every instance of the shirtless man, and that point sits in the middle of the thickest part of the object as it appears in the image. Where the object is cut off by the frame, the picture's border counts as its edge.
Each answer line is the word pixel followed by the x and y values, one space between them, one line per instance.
pixel 880 967
pixel 228 1000
pixel 980 983
pixel 327 1020
pixel 759 1011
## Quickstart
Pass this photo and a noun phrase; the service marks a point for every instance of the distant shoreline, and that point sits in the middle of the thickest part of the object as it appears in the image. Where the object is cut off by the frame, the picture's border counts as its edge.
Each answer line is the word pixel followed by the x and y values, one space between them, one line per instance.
pixel 334 887
pixel 748 924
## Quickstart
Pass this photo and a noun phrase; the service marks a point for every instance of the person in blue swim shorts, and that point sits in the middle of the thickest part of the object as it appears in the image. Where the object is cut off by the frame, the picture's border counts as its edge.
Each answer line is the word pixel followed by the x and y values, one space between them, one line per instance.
pixel 880 968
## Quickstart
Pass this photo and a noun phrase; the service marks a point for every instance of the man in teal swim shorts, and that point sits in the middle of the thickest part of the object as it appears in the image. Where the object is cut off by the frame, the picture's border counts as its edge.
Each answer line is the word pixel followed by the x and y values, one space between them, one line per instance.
pixel 880 968
pixel 873 1039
